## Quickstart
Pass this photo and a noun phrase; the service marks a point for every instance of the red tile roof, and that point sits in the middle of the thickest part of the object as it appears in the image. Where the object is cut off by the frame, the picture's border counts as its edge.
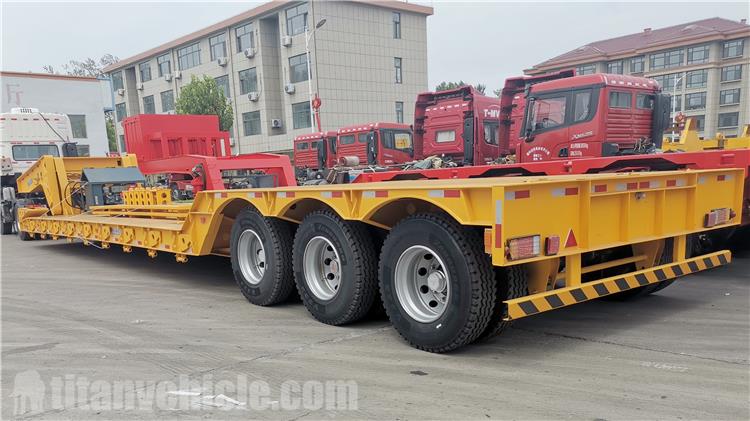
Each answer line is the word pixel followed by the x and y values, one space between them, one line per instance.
pixel 649 40
pixel 252 13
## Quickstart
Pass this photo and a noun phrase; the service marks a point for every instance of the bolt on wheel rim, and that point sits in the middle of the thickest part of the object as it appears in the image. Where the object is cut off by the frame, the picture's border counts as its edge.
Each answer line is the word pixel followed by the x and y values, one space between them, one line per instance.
pixel 252 257
pixel 422 284
pixel 322 268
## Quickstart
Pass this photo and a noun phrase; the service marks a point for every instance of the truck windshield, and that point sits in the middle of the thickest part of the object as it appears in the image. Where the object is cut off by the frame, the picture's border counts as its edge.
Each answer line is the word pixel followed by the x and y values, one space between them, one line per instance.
pixel 33 152
pixel 396 139
pixel 548 112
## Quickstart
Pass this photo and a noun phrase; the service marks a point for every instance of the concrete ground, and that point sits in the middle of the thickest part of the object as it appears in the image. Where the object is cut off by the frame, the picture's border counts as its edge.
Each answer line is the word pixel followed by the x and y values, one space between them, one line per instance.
pixel 78 322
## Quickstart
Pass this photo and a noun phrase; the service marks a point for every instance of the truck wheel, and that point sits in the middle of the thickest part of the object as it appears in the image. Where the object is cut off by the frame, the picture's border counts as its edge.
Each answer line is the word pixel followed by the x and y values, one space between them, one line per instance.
pixel 260 254
pixel 22 235
pixel 7 228
pixel 436 282
pixel 511 282
pixel 334 268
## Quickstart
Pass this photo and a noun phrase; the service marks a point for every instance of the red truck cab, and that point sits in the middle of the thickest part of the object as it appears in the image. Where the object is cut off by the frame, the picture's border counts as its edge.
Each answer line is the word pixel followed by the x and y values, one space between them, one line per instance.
pixel 462 124
pixel 315 151
pixel 376 143
pixel 591 116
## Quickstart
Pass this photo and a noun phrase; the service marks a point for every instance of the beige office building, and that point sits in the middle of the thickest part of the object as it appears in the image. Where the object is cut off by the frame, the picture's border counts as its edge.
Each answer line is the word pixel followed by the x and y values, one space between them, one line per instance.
pixel 704 64
pixel 368 63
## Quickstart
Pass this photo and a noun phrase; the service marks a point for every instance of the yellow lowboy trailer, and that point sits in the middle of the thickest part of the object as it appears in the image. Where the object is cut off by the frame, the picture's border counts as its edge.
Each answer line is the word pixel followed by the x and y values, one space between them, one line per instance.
pixel 453 260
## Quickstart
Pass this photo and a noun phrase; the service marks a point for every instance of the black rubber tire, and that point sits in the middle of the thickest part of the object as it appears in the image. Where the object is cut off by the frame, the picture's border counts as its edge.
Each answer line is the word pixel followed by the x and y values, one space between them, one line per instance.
pixel 470 274
pixel 7 228
pixel 22 235
pixel 356 293
pixel 510 282
pixel 276 235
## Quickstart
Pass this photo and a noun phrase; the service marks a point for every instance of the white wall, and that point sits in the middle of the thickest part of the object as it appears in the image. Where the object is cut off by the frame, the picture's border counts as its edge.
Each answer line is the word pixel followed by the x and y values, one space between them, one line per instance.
pixel 61 95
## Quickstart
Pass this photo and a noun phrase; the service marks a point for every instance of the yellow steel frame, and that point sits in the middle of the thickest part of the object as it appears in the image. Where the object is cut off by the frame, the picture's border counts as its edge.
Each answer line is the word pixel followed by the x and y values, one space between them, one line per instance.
pixel 690 141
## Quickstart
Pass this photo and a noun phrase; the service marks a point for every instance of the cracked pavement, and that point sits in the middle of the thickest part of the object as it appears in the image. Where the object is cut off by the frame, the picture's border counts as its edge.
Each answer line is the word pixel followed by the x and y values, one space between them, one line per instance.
pixel 69 310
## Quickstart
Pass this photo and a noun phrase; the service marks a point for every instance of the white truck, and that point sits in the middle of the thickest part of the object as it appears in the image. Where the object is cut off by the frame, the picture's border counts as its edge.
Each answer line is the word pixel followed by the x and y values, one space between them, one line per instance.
pixel 25 135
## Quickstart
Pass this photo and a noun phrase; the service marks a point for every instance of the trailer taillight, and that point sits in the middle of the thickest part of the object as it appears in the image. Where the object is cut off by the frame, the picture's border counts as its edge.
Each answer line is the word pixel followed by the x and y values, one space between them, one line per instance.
pixel 523 247
pixel 552 245
pixel 718 217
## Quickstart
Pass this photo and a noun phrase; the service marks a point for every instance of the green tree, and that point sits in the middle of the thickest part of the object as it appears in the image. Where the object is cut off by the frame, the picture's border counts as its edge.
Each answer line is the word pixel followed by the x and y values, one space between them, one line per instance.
pixel 203 96
pixel 445 86
pixel 497 92
pixel 87 67
pixel 109 121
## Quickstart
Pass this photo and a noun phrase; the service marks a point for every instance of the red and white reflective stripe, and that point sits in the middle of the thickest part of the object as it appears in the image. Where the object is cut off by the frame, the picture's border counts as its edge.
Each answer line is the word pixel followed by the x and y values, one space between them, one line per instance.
pixel 676 182
pixel 648 184
pixel 599 188
pixel 702 179
pixel 444 193
pixel 220 195
pixel 331 194
pixel 723 177
pixel 371 194
pixel 498 223
pixel 627 186
pixel 255 195
pixel 286 194
pixel 518 194
pixel 565 191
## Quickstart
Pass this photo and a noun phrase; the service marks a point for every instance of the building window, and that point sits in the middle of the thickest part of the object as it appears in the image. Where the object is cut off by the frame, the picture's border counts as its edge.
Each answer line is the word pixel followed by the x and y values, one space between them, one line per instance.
pixel 620 99
pixel 149 107
pixel 301 115
pixel 120 112
pixel 695 101
pixel 248 81
pixel 700 121
pixel 164 63
pixel 667 82
pixel 117 81
pixel 731 73
pixel 396 25
pixel 399 112
pixel 729 119
pixel 697 55
pixel 189 56
pixel 218 46
pixel 78 125
pixel 676 100
pixel 245 37
pixel 167 101
pixel 586 69
pixel 145 70
pixel 733 48
pixel 397 66
pixel 251 123
pixel 298 69
pixel 296 19
pixel 615 67
pixel 729 96
pixel 696 79
pixel 666 59
pixel 637 64
pixel 223 83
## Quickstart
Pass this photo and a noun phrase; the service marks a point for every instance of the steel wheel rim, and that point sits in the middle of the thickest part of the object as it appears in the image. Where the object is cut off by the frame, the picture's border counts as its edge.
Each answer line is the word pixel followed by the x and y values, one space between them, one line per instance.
pixel 252 257
pixel 422 284
pixel 322 267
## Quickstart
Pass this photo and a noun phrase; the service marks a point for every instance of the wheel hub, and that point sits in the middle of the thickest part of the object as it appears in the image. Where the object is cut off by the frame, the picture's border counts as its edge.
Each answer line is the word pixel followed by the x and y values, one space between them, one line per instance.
pixel 322 268
pixel 251 256
pixel 422 284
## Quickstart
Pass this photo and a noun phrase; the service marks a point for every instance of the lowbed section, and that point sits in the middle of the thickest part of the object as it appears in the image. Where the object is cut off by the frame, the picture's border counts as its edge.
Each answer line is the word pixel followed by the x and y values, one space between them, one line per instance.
pixel 563 236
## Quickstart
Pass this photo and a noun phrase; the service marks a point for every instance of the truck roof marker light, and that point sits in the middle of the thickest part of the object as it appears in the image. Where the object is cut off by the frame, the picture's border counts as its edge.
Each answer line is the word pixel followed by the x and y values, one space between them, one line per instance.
pixel 523 247
pixel 570 240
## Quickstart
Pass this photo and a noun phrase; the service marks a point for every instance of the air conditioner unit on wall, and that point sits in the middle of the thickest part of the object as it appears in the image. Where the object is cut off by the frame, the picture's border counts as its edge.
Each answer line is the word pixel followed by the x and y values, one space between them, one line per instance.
pixel 276 123
pixel 253 96
pixel 139 86
pixel 222 61
pixel 121 92
pixel 178 74
pixel 168 77
pixel 289 89
pixel 286 41
pixel 250 52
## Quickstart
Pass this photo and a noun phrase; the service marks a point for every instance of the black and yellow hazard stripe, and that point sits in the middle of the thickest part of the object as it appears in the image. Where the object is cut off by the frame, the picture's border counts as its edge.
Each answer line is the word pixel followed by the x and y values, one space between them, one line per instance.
pixel 550 300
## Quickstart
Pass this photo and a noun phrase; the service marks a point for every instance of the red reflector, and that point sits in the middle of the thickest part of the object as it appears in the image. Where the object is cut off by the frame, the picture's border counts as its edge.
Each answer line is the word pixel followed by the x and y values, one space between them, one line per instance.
pixel 523 247
pixel 600 188
pixel 632 186
pixel 552 245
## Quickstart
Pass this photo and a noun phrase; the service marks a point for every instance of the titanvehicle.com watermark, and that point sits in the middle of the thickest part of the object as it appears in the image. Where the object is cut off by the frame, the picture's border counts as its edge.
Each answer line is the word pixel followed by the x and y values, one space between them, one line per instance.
pixel 33 394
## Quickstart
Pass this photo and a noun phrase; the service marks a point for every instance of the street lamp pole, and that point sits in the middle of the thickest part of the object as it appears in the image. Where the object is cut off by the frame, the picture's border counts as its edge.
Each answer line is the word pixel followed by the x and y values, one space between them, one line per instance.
pixel 674 103
pixel 308 36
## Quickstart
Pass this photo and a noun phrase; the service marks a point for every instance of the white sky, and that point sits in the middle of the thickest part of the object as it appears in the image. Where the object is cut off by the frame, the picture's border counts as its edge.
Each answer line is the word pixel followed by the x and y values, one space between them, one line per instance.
pixel 479 42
